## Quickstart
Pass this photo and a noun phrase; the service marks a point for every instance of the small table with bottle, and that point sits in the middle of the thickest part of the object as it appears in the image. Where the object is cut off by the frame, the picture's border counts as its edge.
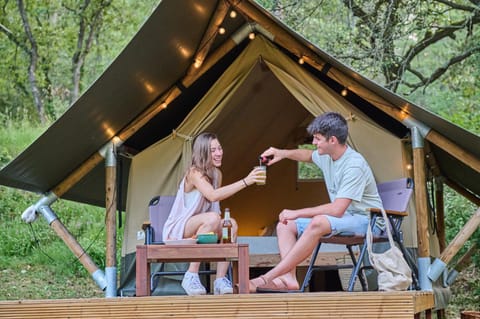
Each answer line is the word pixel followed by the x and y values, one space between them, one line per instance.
pixel 236 253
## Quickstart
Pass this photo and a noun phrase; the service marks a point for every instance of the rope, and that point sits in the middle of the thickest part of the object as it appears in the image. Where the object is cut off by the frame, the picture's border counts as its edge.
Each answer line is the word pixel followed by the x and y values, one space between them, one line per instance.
pixel 185 137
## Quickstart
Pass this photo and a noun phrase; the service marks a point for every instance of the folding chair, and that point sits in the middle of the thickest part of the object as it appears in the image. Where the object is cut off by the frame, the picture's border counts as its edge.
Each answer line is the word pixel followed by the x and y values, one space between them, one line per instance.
pixel 159 209
pixel 395 197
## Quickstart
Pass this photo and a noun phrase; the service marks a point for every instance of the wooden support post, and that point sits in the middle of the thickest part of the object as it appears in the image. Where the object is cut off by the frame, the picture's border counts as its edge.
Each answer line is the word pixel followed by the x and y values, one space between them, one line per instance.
pixel 454 150
pixel 421 207
pixel 462 236
pixel 420 196
pixel 74 246
pixel 439 203
pixel 111 221
pixel 77 175
pixel 440 209
pixel 111 207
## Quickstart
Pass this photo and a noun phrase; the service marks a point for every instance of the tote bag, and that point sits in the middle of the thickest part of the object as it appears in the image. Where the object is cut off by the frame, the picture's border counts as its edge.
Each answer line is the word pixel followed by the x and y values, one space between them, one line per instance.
pixel 393 271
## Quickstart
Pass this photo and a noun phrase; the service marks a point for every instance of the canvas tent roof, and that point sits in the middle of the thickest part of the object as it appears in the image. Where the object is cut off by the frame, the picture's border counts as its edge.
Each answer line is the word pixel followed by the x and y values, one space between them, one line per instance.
pixel 156 60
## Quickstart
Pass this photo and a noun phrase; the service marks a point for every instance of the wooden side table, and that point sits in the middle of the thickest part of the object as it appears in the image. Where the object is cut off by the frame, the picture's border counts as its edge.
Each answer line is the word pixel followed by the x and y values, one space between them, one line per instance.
pixel 236 253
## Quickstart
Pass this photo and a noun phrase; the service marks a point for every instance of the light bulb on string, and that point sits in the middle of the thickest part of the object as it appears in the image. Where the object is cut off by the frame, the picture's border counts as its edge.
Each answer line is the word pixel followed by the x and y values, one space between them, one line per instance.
pixel 301 60
pixel 221 30
pixel 197 63
pixel 344 92
pixel 164 105
pixel 233 14
pixel 251 35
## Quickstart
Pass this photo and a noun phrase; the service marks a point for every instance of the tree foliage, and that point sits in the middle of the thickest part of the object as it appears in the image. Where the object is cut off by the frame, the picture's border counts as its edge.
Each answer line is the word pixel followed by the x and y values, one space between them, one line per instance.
pixel 426 50
pixel 51 50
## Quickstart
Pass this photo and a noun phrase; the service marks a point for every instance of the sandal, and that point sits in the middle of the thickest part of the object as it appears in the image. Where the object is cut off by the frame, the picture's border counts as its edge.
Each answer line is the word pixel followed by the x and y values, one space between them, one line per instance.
pixel 272 287
pixel 255 283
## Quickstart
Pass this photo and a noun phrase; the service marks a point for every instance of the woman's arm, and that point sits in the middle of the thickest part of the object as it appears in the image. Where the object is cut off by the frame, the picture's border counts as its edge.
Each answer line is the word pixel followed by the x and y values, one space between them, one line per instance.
pixel 206 188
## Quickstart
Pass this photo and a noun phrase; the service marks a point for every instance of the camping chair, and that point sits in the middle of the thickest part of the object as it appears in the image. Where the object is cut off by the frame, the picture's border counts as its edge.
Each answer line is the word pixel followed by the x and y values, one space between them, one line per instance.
pixel 395 197
pixel 159 209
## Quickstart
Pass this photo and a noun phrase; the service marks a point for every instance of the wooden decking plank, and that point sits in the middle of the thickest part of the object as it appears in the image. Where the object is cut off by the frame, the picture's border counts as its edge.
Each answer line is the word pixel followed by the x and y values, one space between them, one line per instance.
pixel 307 305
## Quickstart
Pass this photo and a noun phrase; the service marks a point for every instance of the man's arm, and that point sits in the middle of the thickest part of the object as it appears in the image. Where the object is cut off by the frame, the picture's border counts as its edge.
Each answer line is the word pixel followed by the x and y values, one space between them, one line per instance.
pixel 336 209
pixel 299 155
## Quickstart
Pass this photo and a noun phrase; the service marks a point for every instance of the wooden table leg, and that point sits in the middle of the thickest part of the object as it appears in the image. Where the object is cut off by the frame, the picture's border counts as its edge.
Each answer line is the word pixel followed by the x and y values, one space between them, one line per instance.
pixel 142 279
pixel 243 269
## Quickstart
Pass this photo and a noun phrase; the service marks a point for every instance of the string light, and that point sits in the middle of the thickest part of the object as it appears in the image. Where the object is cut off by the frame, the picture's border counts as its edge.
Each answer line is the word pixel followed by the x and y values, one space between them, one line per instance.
pixel 197 63
pixel 409 167
pixel 233 14
pixel 344 92
pixel 164 105
pixel 251 35
pixel 301 60
pixel 221 30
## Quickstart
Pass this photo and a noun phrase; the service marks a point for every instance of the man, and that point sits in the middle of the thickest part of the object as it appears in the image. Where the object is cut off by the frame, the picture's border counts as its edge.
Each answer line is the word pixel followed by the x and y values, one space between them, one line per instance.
pixel 351 188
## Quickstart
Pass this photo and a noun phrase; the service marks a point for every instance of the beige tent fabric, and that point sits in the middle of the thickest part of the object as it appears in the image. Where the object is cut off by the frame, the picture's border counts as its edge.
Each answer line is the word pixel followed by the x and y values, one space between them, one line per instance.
pixel 158 169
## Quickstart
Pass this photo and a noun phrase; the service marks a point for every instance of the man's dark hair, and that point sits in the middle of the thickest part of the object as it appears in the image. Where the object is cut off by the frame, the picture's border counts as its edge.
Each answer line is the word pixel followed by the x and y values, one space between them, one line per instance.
pixel 330 124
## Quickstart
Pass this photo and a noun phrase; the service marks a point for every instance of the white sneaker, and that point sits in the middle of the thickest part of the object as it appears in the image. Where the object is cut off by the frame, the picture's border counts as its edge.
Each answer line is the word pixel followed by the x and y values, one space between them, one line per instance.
pixel 222 286
pixel 192 285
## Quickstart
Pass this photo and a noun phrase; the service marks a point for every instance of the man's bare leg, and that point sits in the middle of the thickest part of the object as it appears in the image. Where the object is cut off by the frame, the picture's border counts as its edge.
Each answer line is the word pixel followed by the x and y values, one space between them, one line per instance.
pixel 299 252
pixel 287 237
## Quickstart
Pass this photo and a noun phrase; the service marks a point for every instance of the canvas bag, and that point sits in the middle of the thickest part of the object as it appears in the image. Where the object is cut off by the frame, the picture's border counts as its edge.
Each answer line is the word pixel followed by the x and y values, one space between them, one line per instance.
pixel 393 271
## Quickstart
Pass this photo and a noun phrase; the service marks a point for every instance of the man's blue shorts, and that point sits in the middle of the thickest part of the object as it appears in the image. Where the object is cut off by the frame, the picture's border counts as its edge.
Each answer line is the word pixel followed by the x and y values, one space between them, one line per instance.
pixel 349 222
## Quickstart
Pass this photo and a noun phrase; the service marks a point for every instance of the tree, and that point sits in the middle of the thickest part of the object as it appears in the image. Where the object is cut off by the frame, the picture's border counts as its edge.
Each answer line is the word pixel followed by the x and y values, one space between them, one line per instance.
pixel 89 25
pixel 50 50
pixel 416 48
pixel 29 46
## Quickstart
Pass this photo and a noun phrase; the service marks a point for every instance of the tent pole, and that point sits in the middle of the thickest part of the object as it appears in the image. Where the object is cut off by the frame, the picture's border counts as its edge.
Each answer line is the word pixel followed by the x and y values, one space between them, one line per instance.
pixel 110 219
pixel 281 37
pixel 421 208
pixel 43 207
pixel 209 36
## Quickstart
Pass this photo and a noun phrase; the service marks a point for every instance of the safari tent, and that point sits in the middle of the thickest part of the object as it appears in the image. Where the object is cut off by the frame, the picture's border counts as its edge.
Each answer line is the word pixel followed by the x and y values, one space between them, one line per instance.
pixel 194 66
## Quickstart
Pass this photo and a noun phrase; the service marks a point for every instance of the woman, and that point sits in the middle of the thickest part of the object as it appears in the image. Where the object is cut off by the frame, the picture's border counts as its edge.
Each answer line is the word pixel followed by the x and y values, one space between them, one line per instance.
pixel 196 209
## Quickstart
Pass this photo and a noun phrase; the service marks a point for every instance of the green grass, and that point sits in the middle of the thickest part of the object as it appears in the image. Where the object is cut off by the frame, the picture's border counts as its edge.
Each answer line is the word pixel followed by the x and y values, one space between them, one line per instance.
pixel 15 138
pixel 35 263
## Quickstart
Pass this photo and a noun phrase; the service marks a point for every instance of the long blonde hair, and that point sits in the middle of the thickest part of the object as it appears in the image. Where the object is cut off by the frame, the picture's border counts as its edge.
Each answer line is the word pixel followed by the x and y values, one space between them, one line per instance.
pixel 202 157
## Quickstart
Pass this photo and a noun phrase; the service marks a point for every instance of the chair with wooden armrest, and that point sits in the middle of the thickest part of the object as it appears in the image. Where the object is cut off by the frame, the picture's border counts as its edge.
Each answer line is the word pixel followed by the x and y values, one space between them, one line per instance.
pixel 395 196
pixel 159 209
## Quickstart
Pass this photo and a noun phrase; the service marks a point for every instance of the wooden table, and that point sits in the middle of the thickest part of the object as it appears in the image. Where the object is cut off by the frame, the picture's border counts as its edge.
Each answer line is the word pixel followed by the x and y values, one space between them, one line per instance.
pixel 236 253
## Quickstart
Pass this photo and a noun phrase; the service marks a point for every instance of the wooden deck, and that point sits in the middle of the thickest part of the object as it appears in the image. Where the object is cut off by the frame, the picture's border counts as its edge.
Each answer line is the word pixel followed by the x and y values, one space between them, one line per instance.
pixel 302 305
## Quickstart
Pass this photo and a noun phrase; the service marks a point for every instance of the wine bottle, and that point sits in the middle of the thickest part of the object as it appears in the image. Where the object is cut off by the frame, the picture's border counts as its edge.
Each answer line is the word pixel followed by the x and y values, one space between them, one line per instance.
pixel 227 228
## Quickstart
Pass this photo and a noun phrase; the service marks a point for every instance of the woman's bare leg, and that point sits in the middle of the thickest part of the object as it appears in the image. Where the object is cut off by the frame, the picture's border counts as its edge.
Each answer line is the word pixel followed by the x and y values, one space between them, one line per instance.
pixel 200 224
